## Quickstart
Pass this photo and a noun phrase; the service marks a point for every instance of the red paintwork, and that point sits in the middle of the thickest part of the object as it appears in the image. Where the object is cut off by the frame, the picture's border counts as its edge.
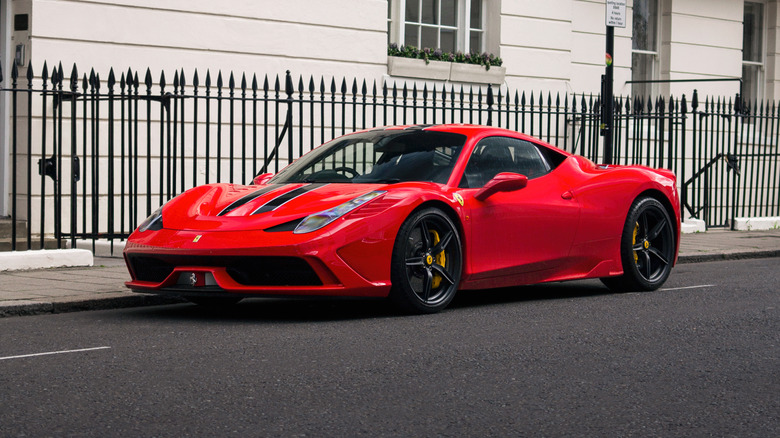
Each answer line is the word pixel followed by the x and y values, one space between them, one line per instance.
pixel 561 226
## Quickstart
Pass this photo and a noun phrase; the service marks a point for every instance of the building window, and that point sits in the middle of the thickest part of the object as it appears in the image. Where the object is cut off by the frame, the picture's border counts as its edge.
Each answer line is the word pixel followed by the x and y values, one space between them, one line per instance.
pixel 644 47
pixel 752 51
pixel 449 25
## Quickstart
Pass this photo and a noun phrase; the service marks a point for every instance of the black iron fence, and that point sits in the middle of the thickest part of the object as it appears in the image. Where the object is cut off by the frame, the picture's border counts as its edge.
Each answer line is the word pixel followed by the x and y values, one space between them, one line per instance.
pixel 91 157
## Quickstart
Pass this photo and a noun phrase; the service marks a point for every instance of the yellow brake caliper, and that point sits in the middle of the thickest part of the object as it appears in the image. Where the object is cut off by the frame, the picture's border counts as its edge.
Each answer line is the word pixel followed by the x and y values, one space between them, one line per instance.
pixel 440 259
pixel 633 243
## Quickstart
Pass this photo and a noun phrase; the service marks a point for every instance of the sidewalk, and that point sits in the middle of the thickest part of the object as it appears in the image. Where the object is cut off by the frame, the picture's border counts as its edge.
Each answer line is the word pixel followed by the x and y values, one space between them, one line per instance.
pixel 102 285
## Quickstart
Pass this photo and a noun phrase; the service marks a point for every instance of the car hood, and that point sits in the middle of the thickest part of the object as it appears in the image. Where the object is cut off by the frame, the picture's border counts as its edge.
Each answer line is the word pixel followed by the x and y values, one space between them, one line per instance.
pixel 229 207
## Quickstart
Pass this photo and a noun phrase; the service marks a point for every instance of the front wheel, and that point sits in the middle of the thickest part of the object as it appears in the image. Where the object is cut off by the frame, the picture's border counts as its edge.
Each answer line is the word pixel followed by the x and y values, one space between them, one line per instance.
pixel 647 248
pixel 426 263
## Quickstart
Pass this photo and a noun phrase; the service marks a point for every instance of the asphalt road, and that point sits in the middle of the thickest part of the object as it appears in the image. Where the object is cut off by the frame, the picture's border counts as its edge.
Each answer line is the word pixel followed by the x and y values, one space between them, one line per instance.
pixel 699 358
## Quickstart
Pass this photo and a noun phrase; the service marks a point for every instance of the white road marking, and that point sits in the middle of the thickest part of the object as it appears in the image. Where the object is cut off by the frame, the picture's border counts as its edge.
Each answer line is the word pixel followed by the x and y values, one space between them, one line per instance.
pixel 689 287
pixel 53 352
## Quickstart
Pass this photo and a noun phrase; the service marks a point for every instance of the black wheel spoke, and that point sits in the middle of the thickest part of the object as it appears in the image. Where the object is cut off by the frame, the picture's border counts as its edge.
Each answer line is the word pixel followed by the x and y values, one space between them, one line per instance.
pixel 638 247
pixel 427 285
pixel 444 274
pixel 442 244
pixel 648 267
pixel 426 238
pixel 657 229
pixel 643 224
pixel 415 261
pixel 658 255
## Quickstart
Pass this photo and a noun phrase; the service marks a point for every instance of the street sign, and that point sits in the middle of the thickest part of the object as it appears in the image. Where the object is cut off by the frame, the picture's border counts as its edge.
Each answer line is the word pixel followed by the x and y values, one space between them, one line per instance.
pixel 616 13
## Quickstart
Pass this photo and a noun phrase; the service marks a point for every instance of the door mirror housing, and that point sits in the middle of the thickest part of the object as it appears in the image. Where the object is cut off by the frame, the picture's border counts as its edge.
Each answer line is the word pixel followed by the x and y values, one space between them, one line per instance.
pixel 503 182
pixel 262 178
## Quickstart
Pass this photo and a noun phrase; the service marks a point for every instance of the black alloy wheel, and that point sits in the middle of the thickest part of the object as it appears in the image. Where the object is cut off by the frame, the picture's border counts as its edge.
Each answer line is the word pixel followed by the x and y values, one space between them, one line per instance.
pixel 426 263
pixel 647 248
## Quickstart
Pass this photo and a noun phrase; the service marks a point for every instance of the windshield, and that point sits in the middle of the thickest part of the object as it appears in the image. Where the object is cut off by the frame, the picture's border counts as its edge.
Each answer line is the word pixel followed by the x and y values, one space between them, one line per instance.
pixel 386 156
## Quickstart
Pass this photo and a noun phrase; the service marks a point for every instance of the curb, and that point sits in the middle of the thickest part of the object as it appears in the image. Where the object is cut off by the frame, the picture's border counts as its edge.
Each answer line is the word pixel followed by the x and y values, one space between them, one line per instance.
pixel 45 258
pixel 699 258
pixel 29 308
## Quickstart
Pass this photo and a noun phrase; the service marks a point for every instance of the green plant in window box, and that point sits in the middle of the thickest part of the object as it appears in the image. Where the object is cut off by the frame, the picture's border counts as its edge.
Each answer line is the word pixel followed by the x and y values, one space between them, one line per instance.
pixel 485 59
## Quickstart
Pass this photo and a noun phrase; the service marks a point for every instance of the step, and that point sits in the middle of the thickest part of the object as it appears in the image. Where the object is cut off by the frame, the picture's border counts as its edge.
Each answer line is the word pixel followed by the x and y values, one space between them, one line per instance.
pixel 21 243
pixel 6 227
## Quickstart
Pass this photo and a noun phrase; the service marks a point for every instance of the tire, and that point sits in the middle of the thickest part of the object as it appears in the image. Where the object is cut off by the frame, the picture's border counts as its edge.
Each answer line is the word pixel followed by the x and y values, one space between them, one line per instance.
pixel 426 263
pixel 647 248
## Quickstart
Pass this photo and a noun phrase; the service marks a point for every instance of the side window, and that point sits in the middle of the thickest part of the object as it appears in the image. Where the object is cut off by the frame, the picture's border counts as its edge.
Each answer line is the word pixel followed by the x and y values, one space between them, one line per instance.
pixel 494 155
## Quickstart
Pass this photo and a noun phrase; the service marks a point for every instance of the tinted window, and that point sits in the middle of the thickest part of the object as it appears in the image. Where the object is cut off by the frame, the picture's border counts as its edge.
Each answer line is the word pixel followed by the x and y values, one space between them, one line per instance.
pixel 494 155
pixel 385 156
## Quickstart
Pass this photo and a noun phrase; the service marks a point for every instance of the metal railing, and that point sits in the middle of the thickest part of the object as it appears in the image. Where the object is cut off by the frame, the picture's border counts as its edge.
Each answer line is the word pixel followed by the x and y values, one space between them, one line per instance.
pixel 91 158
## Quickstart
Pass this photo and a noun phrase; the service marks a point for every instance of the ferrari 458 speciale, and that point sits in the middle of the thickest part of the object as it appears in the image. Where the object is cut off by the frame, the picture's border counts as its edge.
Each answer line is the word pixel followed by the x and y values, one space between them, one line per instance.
pixel 413 213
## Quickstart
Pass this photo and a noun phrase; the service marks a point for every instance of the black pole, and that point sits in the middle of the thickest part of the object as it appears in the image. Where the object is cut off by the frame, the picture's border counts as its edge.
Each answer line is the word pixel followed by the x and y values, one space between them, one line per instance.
pixel 607 99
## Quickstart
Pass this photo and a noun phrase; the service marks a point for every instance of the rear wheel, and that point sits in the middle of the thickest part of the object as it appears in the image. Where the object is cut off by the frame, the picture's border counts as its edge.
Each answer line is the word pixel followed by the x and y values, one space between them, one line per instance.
pixel 646 249
pixel 426 263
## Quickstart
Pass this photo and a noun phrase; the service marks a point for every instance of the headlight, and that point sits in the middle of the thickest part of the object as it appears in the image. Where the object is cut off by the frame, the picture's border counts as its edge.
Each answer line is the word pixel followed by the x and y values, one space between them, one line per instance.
pixel 153 222
pixel 318 220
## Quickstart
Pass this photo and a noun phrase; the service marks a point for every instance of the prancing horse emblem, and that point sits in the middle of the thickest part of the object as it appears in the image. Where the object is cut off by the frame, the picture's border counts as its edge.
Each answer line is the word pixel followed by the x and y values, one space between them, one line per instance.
pixel 193 279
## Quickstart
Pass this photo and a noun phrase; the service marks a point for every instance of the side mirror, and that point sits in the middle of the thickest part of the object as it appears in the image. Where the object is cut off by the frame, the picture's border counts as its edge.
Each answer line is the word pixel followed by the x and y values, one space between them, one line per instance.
pixel 503 182
pixel 262 178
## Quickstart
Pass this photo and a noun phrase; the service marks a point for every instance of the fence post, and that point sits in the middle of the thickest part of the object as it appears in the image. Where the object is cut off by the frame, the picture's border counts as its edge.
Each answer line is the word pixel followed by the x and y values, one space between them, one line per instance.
pixel 490 105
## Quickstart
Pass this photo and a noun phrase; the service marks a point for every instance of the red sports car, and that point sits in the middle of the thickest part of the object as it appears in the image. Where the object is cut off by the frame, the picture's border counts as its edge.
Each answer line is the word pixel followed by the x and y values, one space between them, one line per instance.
pixel 413 213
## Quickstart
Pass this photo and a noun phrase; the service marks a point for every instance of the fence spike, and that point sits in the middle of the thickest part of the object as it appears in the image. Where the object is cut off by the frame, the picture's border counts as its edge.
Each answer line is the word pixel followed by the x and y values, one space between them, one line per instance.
pixel 254 83
pixel 343 86
pixel 111 79
pixel 333 86
pixel 231 82
pixel 74 78
pixel 195 79
pixel 29 73
pixel 208 79
pixel 162 81
pixel 182 80
pixel 84 82
pixel 243 81
pixel 354 88
pixel 364 89
pixel 97 82
pixel 148 80
pixel 1 73
pixel 301 88
pixel 288 84
pixel 219 80
pixel 266 85
pixel 15 72
pixel 175 83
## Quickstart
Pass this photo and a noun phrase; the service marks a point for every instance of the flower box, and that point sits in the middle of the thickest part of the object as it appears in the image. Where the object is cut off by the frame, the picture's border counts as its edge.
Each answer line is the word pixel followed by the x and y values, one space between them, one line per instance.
pixel 471 73
pixel 417 68
pixel 444 71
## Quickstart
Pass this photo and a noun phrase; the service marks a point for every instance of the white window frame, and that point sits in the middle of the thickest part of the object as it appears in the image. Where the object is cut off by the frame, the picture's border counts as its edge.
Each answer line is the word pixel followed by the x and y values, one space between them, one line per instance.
pixel 463 30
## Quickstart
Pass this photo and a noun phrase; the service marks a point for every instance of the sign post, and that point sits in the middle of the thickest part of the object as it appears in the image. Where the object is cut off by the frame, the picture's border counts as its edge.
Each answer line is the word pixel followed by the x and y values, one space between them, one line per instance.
pixel 615 16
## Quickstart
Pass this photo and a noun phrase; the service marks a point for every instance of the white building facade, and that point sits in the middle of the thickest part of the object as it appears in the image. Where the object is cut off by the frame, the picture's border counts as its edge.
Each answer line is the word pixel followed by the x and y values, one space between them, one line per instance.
pixel 552 46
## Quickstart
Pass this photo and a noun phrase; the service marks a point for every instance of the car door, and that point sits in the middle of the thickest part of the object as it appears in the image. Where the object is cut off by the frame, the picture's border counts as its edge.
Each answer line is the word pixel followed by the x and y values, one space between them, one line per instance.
pixel 526 230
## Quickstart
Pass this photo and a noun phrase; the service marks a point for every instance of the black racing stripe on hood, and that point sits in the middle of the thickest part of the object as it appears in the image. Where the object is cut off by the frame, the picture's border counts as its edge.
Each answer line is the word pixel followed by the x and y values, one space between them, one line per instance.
pixel 254 195
pixel 275 203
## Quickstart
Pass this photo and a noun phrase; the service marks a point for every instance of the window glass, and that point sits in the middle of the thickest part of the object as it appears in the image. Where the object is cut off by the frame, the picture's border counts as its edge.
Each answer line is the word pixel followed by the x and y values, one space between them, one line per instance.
pixel 494 155
pixel 752 32
pixel 644 46
pixel 752 50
